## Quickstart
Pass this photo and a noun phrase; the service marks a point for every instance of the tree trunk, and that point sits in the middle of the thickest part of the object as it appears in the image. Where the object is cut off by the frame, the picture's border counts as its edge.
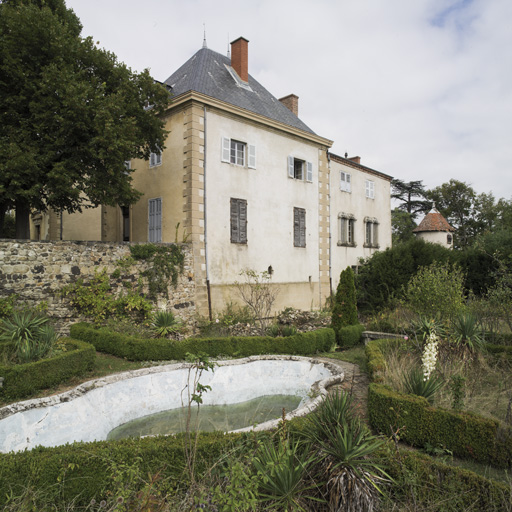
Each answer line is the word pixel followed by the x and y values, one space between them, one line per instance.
pixel 22 220
pixel 3 210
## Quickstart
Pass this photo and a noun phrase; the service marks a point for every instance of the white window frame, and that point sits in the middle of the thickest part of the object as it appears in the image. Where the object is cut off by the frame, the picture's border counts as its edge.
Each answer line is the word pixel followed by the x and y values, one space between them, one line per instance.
pixel 370 189
pixel 155 159
pixel 306 173
pixel 345 181
pixel 155 220
pixel 229 153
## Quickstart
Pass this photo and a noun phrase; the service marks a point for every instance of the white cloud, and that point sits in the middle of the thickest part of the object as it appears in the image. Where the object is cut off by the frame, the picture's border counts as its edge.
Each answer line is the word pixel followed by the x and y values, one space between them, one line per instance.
pixel 419 89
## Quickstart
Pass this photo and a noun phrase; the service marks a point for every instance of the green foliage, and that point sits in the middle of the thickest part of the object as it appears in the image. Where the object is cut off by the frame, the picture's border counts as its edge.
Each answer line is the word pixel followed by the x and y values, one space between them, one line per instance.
pixel 30 334
pixel 350 336
pixel 424 326
pixel 140 349
pixel 22 380
pixel 383 277
pixel 276 330
pixel 7 305
pixel 402 225
pixel 458 392
pixel 96 300
pixel 344 311
pixel 415 383
pixel 164 323
pixel 412 197
pixel 165 264
pixel 70 114
pixel 436 289
pixel 282 470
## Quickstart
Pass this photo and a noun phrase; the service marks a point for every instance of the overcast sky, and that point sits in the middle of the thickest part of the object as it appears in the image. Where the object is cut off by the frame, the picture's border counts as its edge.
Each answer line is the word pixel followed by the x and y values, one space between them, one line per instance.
pixel 420 89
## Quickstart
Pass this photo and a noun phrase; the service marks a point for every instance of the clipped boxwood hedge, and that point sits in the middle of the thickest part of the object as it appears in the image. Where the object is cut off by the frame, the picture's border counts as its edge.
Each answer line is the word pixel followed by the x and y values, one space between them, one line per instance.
pixel 439 486
pixel 350 336
pixel 21 380
pixel 154 349
pixel 466 434
pixel 83 471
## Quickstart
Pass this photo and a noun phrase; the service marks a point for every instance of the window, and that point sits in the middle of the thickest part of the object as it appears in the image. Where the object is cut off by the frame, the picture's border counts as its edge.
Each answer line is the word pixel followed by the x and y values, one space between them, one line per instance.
pixel 125 210
pixel 449 239
pixel 299 227
pixel 238 212
pixel 371 233
pixel 155 159
pixel 370 189
pixel 346 222
pixel 299 169
pixel 155 220
pixel 238 153
pixel 345 182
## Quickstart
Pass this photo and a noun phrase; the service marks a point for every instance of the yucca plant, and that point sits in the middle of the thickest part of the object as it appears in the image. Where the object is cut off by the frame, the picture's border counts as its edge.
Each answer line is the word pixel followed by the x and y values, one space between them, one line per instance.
pixel 30 333
pixel 164 323
pixel 282 470
pixel 426 325
pixel 465 331
pixel 415 383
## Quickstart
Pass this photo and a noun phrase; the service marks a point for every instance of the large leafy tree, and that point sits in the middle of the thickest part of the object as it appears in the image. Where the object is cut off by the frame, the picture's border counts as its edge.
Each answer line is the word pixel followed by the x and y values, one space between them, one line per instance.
pixel 70 115
pixel 411 195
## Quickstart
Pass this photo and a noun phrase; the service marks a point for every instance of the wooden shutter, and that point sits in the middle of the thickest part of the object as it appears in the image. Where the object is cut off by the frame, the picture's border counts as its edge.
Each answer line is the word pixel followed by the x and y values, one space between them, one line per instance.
pixel 309 172
pixel 238 213
pixel 291 170
pixel 226 149
pixel 299 227
pixel 252 156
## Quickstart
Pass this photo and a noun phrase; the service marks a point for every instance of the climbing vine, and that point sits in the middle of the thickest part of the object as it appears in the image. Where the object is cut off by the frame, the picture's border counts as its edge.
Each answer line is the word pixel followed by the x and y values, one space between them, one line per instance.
pixel 165 263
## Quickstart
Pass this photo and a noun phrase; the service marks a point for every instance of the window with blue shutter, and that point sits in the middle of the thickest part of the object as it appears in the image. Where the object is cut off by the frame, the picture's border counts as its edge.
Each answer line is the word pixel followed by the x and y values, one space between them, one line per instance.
pixel 155 220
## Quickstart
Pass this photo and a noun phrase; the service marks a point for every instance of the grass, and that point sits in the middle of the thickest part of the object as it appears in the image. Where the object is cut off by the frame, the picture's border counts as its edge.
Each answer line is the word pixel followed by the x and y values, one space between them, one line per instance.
pixel 354 355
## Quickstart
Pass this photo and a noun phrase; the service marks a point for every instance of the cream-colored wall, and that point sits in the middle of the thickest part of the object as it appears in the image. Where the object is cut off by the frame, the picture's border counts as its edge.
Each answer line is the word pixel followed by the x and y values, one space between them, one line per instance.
pixel 357 204
pixel 164 181
pixel 271 196
pixel 436 237
pixel 82 226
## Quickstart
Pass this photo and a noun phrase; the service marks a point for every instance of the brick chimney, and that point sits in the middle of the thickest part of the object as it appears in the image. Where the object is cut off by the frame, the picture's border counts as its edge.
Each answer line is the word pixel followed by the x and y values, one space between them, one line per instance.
pixel 291 102
pixel 356 159
pixel 240 57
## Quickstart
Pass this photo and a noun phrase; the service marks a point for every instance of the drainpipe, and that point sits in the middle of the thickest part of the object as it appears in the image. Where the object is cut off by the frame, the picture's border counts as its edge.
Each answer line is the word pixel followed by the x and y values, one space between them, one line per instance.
pixel 208 292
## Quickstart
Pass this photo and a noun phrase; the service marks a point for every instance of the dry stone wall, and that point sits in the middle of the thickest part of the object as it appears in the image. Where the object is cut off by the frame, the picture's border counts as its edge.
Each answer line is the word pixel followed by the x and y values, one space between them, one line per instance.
pixel 37 271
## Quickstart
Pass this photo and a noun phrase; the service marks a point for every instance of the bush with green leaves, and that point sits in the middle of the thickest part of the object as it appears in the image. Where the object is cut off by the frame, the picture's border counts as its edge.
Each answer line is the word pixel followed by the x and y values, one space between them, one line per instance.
pixel 164 323
pixel 465 331
pixel 437 289
pixel 344 311
pixel 30 333
pixel 415 383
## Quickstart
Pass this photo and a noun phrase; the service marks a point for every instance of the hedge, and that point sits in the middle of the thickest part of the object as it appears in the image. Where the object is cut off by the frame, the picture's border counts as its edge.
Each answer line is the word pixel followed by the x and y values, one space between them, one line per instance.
pixel 349 336
pixel 154 349
pixel 21 380
pixel 466 434
pixel 83 471
pixel 421 479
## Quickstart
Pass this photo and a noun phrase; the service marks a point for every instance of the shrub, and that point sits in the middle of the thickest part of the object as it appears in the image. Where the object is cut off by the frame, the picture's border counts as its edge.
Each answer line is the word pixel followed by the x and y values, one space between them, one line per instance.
pixel 415 383
pixel 21 380
pixel 344 311
pixel 141 349
pixel 465 331
pixel 164 323
pixel 349 336
pixel 437 288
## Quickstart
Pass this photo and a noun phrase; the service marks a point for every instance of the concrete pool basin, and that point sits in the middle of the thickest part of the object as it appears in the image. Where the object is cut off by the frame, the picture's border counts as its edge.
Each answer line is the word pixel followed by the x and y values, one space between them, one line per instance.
pixel 90 411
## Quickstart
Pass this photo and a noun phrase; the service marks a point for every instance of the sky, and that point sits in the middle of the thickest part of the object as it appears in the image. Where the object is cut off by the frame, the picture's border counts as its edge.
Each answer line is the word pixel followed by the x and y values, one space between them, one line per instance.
pixel 420 90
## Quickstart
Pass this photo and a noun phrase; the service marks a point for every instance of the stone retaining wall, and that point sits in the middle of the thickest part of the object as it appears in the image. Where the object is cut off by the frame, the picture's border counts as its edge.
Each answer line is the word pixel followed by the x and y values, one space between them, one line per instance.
pixel 37 271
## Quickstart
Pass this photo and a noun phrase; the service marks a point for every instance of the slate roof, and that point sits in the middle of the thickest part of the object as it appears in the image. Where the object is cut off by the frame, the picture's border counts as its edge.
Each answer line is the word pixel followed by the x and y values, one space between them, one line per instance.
pixel 433 221
pixel 208 72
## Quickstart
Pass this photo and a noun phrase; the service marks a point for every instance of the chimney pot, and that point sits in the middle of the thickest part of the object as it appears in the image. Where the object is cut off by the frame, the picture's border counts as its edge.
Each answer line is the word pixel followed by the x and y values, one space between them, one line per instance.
pixel 240 58
pixel 291 102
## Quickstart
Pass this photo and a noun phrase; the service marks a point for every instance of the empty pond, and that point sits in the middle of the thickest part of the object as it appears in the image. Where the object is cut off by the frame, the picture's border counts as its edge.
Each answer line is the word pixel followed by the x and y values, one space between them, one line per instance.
pixel 92 410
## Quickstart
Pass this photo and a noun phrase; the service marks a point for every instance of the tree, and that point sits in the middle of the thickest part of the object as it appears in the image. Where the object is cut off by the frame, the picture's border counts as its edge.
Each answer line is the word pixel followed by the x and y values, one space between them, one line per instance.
pixel 406 192
pixel 344 311
pixel 402 225
pixel 70 115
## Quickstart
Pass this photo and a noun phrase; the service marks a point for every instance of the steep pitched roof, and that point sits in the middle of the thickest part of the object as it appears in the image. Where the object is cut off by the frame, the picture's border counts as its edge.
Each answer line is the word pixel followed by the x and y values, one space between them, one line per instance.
pixel 210 73
pixel 433 221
